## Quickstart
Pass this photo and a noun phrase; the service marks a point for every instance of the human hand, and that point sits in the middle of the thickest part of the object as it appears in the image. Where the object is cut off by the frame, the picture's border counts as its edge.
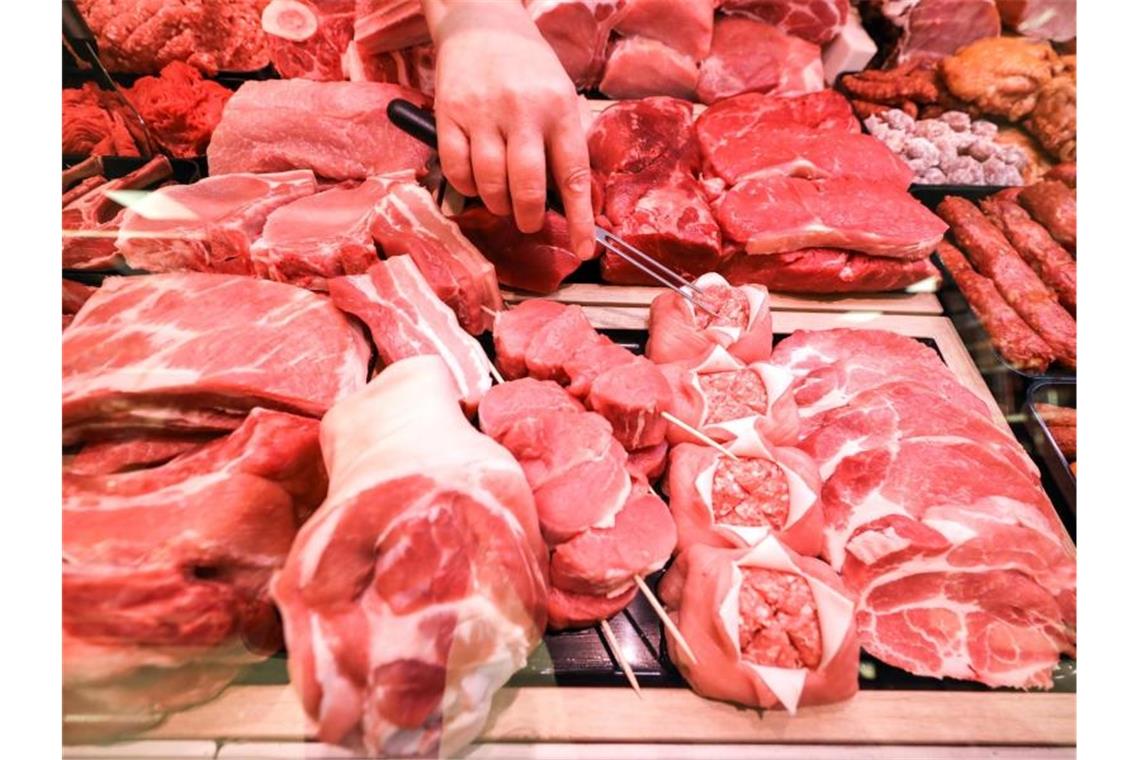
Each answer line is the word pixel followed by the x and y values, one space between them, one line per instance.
pixel 504 108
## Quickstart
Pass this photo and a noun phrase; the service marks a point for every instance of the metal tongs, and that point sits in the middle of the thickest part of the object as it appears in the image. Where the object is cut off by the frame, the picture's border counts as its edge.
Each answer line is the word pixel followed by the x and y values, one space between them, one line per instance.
pixel 82 41
pixel 420 124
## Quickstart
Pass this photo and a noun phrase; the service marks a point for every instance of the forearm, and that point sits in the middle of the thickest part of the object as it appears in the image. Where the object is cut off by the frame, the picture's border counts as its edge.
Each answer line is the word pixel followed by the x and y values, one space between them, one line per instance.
pixel 445 17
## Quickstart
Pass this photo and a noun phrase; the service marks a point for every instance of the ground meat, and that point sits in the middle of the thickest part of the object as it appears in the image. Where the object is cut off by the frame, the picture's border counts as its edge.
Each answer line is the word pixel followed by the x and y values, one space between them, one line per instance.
pixel 733 394
pixel 779 623
pixel 730 305
pixel 752 492
pixel 180 107
pixel 93 124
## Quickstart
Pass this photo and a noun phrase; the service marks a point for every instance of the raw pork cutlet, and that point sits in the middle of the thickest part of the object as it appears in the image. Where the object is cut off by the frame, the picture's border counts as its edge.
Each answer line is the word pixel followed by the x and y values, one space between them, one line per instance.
pixel 518 399
pixel 721 501
pixel 567 610
pixel 92 216
pixel 203 343
pixel 769 627
pixel 641 67
pixel 995 258
pixel 779 214
pixel 684 27
pixel 678 331
pixel 751 56
pixel 630 137
pixel 318 237
pixel 208 226
pixel 513 336
pixel 537 262
pixel 1054 205
pixel 408 221
pixel 1011 336
pixel 832 366
pixel 432 549
pixel 339 130
pixel 166 570
pixel 830 271
pixel 817 21
pixel 406 318
pixel 1052 263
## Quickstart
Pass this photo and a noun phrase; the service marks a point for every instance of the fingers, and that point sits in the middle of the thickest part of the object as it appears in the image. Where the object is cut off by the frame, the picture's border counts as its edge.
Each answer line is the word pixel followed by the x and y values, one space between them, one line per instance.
pixel 526 175
pixel 489 164
pixel 570 163
pixel 455 157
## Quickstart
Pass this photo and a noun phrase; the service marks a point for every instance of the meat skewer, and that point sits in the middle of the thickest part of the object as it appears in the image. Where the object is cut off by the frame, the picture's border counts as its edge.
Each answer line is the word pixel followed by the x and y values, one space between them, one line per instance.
pixel 623 663
pixel 1015 280
pixel 697 434
pixel 1052 263
pixel 1013 339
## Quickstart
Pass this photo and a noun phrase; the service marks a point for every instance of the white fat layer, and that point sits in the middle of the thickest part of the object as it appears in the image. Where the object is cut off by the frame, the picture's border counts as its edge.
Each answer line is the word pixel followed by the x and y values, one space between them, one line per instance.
pixel 609 517
pixel 955 532
pixel 718 359
pixel 777 380
pixel 786 683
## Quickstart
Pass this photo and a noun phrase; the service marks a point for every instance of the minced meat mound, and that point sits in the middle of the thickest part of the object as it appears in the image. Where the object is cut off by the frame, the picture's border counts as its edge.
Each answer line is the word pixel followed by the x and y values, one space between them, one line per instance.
pixel 751 492
pixel 92 125
pixel 779 622
pixel 181 108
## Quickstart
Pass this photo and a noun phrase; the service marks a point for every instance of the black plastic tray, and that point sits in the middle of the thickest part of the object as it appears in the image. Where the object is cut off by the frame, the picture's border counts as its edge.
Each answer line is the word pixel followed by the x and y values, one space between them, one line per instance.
pixel 1061 393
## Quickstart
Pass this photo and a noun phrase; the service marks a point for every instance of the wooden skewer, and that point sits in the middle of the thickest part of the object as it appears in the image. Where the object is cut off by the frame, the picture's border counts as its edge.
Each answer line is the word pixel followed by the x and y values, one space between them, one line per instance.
pixel 665 619
pixel 489 311
pixel 698 434
pixel 498 377
pixel 611 640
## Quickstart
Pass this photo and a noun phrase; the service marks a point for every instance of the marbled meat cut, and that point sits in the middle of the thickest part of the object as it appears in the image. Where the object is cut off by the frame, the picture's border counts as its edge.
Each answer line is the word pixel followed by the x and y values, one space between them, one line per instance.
pixel 1052 263
pixel 817 21
pixel 91 215
pixel 537 262
pixel 166 570
pixel 995 258
pixel 933 29
pixel 208 226
pixel 418 587
pixel 726 399
pixel 1022 348
pixel 769 627
pixel 339 130
pixel 385 25
pixel 779 214
pixel 721 501
pixel 197 351
pixel 937 522
pixel 408 221
pixel 578 31
pixel 641 67
pixel 1054 205
pixel 751 56
pixel 679 331
pixel 319 236
pixel 829 270
pixel 406 318
pixel 685 27
pixel 631 137
pixel 306 38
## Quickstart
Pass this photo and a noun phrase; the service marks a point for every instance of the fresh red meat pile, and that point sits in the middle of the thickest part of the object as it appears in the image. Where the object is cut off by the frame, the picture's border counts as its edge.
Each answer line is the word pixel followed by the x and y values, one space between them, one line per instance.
pixel 778 191
pixel 933 514
pixel 180 107
pixel 143 36
pixel 94 124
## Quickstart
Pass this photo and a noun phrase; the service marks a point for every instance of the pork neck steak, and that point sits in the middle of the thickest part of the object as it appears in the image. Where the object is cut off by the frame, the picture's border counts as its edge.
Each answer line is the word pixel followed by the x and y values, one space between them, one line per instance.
pixel 166 570
pixel 210 225
pixel 816 21
pixel 751 56
pixel 196 351
pixel 432 550
pixel 339 130
pixel 779 214
pixel 640 67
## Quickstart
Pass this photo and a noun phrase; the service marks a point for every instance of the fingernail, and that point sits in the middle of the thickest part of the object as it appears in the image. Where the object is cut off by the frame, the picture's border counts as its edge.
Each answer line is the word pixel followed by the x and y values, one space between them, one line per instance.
pixel 586 250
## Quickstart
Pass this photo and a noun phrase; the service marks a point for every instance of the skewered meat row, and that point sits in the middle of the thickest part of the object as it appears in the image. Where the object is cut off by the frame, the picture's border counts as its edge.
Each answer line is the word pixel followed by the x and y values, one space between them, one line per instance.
pixel 1050 261
pixel 418 587
pixel 678 331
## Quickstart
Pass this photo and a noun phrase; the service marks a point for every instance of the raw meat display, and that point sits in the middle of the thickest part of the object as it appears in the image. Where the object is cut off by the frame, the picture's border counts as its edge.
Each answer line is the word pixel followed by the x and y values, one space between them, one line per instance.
pixel 1043 19
pixel 340 130
pixel 726 400
pixel 751 56
pixel 408 221
pixel 91 215
pixel 208 226
pixel 769 628
pixel 995 258
pixel 684 27
pixel 386 25
pixel 406 318
pixel 827 270
pixel 94 124
pixel 680 332
pixel 641 67
pixel 537 262
pixel 734 502
pixel 1049 260
pixel 166 570
pixel 1011 336
pixel 778 214
pixel 180 108
pixel 306 38
pixel 317 237
pixel 197 351
pixel 578 31
pixel 932 29
pixel 142 36
pixel 816 21
pixel 923 498
pixel 432 550
pixel 1054 205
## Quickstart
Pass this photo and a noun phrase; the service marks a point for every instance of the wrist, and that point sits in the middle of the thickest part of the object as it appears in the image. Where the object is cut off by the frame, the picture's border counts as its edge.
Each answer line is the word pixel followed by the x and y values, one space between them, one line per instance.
pixel 447 18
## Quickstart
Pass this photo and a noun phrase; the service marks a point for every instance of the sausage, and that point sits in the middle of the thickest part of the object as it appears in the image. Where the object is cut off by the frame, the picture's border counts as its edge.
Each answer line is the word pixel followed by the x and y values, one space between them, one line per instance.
pixel 1066 438
pixel 1057 415
pixel 994 257
pixel 1050 261
pixel 1054 205
pixel 1022 348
